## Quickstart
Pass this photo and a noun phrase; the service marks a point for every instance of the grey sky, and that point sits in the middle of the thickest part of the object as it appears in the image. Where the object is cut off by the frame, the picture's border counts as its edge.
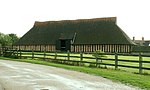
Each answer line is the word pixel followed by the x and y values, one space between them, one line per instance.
pixel 18 16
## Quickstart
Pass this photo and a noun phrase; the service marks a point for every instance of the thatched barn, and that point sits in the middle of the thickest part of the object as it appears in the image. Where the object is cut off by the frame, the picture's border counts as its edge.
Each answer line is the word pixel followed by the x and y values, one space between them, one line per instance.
pixel 86 35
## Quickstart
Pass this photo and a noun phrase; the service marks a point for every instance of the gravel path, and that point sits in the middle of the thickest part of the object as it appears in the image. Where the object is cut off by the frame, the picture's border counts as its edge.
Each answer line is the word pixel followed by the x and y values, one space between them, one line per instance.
pixel 26 76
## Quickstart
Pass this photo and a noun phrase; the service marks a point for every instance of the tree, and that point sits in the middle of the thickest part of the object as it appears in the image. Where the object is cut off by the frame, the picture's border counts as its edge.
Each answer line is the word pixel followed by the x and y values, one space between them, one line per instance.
pixel 7 39
pixel 13 37
pixel 4 39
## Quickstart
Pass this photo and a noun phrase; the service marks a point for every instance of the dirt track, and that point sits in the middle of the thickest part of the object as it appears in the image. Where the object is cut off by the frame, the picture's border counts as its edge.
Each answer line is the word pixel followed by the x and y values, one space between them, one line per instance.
pixel 26 76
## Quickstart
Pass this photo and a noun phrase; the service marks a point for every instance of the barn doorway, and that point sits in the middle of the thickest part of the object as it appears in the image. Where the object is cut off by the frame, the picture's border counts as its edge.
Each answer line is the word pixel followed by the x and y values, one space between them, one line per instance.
pixel 63 45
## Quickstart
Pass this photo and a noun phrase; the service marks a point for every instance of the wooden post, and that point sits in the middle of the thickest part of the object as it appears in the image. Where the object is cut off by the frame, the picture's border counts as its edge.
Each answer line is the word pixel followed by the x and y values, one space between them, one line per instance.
pixel 116 60
pixel 14 52
pixel 32 54
pixel 68 55
pixel 19 47
pixel 96 59
pixel 40 48
pixel 55 55
pixel 140 63
pixel 20 54
pixel 81 58
pixel 0 51
pixel 44 54
pixel 17 53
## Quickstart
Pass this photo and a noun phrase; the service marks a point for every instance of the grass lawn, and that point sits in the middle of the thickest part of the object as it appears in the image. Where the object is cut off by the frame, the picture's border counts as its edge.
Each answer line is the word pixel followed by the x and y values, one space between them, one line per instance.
pixel 141 81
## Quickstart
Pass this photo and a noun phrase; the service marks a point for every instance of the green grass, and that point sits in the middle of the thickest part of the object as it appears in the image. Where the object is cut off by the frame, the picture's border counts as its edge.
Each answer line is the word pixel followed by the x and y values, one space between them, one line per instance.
pixel 141 81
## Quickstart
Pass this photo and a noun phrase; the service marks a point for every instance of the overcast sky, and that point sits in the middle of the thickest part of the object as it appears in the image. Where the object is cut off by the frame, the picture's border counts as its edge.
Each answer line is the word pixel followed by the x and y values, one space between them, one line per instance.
pixel 18 16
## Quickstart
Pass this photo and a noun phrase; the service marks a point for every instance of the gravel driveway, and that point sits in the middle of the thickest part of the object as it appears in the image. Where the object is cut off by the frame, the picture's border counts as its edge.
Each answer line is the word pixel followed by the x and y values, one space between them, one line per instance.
pixel 26 76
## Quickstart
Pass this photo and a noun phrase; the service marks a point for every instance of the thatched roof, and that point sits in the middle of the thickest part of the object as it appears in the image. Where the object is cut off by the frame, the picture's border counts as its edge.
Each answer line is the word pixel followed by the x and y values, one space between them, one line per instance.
pixel 83 31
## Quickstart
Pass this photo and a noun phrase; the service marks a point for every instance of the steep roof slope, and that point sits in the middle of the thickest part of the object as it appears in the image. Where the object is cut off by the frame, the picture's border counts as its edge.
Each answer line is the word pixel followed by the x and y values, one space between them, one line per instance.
pixel 84 31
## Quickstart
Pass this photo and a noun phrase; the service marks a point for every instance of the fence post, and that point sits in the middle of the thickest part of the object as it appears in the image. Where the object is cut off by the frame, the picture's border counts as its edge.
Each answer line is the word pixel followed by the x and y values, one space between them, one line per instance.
pixel 17 53
pixel 20 54
pixel 140 63
pixel 81 58
pixel 116 60
pixel 0 51
pixel 14 52
pixel 96 59
pixel 55 55
pixel 32 54
pixel 44 54
pixel 68 55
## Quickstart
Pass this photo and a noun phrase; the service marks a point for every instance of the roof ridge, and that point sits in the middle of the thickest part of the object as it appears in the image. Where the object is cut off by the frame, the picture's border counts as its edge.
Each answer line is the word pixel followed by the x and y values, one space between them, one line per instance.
pixel 105 19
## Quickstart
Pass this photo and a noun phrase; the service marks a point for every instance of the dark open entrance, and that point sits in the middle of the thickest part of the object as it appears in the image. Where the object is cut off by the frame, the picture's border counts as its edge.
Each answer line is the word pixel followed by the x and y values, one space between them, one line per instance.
pixel 63 45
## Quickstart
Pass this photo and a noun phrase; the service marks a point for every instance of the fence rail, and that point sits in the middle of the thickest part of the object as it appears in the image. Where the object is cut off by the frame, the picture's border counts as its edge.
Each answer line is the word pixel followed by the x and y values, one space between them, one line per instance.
pixel 113 59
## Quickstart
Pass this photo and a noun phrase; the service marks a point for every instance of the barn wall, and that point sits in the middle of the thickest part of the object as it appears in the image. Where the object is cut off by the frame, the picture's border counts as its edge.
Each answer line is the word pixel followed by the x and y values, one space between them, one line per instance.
pixel 103 47
pixel 36 47
pixel 80 48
